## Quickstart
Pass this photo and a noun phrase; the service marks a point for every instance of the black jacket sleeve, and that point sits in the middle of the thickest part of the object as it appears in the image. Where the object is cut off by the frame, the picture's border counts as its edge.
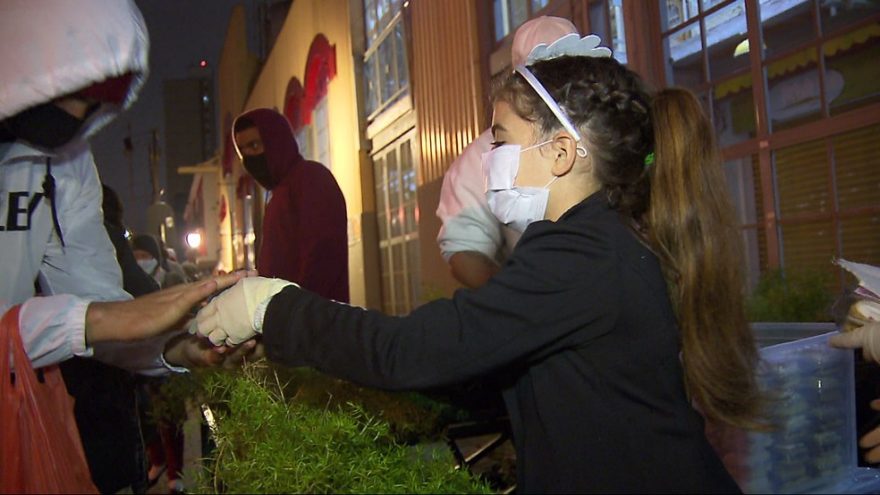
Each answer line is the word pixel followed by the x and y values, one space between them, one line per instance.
pixel 558 291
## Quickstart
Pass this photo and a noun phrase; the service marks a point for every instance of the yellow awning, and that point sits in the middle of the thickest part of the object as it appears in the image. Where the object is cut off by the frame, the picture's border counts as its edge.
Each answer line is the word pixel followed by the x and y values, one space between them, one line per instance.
pixel 803 58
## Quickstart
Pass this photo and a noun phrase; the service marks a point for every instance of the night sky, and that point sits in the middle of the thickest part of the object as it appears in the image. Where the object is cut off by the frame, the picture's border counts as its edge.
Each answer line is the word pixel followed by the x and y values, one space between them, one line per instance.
pixel 182 32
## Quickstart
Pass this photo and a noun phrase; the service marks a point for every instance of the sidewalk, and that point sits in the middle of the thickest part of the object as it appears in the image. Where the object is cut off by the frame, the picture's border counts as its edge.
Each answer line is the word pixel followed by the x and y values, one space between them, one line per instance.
pixel 192 453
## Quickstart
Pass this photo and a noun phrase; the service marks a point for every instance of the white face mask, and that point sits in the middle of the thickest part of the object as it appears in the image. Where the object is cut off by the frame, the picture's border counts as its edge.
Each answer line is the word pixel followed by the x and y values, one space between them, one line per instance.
pixel 514 206
pixel 148 265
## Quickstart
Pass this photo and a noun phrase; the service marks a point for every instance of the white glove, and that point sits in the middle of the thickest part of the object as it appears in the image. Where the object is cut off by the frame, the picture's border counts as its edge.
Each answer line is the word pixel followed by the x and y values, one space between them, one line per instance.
pixel 866 337
pixel 236 315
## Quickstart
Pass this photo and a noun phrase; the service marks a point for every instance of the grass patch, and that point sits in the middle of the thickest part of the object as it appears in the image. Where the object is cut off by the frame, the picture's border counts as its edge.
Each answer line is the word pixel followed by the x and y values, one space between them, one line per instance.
pixel 299 431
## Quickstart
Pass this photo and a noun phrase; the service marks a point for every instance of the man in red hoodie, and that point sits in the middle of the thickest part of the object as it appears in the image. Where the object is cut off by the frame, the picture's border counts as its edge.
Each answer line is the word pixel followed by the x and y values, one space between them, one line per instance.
pixel 305 237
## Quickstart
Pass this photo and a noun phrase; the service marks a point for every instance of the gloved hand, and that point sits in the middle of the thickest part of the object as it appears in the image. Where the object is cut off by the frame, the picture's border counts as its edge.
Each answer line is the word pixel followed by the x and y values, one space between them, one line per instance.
pixel 866 337
pixel 230 317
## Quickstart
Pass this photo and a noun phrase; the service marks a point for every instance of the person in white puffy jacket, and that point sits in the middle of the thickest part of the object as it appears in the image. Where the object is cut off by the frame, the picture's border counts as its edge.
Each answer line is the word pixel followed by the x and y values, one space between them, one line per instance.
pixel 471 239
pixel 70 73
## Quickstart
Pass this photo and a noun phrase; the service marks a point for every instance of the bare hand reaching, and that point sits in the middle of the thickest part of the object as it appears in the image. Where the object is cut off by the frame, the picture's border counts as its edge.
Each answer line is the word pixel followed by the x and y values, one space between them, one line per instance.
pixel 152 314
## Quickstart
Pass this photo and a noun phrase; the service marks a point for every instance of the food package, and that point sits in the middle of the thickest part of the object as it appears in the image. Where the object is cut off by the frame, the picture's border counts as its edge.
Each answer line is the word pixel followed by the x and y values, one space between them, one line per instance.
pixel 865 307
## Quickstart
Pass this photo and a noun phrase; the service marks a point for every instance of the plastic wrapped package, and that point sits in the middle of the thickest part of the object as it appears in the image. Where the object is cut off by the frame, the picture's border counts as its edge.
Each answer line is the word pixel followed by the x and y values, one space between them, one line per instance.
pixel 812 448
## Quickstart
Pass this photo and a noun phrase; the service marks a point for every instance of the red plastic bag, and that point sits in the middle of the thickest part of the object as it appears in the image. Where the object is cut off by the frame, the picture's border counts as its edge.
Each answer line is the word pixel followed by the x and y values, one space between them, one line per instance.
pixel 40 448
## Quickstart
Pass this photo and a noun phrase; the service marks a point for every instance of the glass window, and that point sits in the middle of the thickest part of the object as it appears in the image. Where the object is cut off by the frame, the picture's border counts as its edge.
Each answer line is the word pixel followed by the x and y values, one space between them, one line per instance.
pixel 400 49
pixel 618 35
pixel 675 12
pixel 818 59
pixel 744 185
pixel 840 14
pixel 385 64
pixel 509 14
pixel 501 16
pixel 519 12
pixel 378 14
pixel 388 79
pixel 381 179
pixel 708 4
pixel 725 31
pixel 304 142
pixel 397 215
pixel 684 54
pixel 733 112
pixel 413 265
pixel 539 4
pixel 321 123
pixel 794 95
pixel 852 73
pixel 786 25
pixel 606 22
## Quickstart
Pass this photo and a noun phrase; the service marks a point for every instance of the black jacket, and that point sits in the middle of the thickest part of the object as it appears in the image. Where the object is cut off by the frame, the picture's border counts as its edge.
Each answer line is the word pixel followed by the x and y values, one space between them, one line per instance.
pixel 579 325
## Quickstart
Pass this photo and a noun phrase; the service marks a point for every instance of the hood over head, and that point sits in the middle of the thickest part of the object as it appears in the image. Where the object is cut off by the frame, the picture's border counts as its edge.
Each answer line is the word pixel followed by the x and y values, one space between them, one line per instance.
pixel 279 144
pixel 53 48
pixel 148 243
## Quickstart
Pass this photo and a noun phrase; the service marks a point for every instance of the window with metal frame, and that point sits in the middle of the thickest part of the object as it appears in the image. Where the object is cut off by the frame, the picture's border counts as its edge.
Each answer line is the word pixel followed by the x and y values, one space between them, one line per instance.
pixel 607 22
pixel 397 214
pixel 817 62
pixel 314 139
pixel 385 63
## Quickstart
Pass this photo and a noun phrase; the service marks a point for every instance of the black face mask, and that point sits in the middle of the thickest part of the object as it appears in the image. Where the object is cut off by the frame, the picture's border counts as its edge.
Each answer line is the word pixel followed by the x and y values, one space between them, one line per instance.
pixel 45 126
pixel 258 167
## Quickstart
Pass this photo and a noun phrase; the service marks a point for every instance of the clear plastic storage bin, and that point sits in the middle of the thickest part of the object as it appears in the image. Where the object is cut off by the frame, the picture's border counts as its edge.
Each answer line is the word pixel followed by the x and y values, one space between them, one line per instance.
pixel 813 448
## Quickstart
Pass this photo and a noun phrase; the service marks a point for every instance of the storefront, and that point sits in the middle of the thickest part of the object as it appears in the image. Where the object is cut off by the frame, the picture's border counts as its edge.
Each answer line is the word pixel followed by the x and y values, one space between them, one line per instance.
pixel 387 93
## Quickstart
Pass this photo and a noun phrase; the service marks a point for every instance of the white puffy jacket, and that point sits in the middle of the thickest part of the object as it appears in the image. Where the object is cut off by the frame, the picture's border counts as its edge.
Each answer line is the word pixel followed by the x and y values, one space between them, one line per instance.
pixel 76 44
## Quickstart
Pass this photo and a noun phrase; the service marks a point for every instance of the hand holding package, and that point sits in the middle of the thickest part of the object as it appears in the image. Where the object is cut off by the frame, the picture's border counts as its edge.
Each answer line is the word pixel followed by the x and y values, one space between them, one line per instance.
pixel 866 337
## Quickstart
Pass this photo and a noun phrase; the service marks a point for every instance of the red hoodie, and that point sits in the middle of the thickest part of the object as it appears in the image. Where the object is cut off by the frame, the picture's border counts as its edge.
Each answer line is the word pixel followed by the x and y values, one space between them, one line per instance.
pixel 305 238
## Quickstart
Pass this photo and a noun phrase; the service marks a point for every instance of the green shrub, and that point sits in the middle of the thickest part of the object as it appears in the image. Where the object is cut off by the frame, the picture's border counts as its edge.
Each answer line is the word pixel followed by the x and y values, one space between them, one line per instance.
pixel 298 431
pixel 797 296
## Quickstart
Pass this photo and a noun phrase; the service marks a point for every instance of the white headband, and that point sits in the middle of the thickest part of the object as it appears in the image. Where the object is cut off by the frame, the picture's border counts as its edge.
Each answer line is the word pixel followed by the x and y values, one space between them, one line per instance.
pixel 554 107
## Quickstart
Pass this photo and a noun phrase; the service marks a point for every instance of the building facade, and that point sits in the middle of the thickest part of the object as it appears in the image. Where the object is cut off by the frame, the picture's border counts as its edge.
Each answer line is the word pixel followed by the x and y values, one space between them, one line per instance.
pixel 387 93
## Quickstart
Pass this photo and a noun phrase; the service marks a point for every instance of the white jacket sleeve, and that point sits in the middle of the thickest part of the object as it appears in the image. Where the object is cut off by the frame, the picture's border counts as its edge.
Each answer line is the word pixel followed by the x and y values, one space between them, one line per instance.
pixel 468 224
pixel 86 264
pixel 52 329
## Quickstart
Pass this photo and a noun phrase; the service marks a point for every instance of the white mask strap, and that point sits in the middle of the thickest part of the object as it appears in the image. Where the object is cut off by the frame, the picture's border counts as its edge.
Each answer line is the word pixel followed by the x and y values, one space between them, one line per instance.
pixel 536 145
pixel 581 151
pixel 551 103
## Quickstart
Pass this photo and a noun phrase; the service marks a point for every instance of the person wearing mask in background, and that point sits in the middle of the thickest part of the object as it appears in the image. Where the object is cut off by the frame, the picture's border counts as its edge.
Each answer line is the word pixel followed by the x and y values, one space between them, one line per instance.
pixel 619 320
pixel 305 231
pixel 106 404
pixel 62 81
pixel 148 253
pixel 471 239
pixel 134 280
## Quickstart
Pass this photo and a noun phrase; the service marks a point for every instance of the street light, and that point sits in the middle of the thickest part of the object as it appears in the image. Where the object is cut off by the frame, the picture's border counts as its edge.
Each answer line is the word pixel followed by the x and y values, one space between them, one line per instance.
pixel 194 240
